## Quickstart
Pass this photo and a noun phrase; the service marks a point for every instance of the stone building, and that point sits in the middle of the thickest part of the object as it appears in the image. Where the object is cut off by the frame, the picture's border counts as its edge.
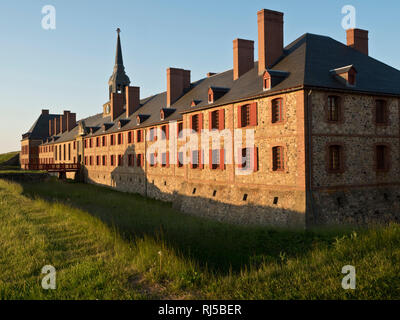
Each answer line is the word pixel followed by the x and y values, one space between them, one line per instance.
pixel 307 135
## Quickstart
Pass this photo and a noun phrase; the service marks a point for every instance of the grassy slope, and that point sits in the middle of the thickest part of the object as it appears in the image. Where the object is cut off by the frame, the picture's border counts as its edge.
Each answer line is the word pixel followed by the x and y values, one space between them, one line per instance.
pixel 106 244
pixel 7 156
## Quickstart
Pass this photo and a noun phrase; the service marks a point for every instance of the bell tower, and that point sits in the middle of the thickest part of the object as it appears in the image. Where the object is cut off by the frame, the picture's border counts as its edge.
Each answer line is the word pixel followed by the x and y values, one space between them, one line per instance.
pixel 118 80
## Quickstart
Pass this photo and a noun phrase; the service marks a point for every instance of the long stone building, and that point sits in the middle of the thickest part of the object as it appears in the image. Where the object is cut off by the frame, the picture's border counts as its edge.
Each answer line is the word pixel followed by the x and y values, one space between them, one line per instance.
pixel 307 135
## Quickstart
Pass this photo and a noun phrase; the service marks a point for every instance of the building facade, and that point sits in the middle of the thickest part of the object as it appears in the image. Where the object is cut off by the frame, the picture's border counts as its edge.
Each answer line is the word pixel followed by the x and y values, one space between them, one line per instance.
pixel 307 135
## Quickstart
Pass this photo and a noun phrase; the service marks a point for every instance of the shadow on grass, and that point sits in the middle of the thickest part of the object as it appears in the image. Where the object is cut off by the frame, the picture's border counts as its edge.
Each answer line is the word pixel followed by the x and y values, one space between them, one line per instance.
pixel 220 246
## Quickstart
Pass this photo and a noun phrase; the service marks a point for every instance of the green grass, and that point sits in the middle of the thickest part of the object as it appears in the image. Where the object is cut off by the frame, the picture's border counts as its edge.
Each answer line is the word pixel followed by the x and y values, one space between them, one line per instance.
pixel 111 245
pixel 7 156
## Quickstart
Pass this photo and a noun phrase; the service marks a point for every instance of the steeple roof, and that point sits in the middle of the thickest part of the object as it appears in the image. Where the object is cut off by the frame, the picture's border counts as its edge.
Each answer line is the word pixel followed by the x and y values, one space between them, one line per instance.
pixel 118 80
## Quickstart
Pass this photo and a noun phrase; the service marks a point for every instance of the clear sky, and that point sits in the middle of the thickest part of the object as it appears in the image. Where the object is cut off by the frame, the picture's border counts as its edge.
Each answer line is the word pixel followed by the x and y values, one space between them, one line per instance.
pixel 68 68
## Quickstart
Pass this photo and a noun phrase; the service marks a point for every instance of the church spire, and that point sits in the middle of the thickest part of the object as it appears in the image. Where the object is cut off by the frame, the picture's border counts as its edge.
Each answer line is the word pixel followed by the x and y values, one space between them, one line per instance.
pixel 118 80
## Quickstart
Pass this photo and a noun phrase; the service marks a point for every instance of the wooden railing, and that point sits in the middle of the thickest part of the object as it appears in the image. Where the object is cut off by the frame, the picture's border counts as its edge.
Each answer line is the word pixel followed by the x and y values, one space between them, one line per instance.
pixel 56 167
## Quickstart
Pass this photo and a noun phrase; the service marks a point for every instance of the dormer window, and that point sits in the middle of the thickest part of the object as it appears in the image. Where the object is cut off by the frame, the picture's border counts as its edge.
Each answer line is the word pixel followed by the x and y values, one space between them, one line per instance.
pixel 162 116
pixel 346 75
pixel 194 103
pixel 210 96
pixel 214 93
pixel 266 81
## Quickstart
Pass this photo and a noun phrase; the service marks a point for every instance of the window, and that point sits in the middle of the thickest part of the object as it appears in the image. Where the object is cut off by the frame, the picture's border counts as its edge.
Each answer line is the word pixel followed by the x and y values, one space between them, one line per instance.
pixel 165 132
pixel 333 108
pixel 382 157
pixel 112 140
pixel 90 143
pixel 104 141
pixel 86 162
pixel 195 123
pixel 153 134
pixel 246 156
pixel 217 119
pixel 335 158
pixel 352 78
pixel 139 160
pixel 165 159
pixel 120 138
pixel 69 151
pixel 104 160
pixel 180 128
pixel 195 159
pixel 97 160
pixel 91 160
pixel 277 110
pixel 180 159
pixel 217 159
pixel 112 160
pixel 74 145
pixel 277 159
pixel 380 112
pixel 139 135
pixel 120 160
pixel 98 142
pixel 130 135
pixel 247 115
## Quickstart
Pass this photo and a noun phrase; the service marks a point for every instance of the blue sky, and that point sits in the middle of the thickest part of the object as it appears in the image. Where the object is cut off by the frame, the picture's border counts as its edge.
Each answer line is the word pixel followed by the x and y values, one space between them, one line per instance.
pixel 68 68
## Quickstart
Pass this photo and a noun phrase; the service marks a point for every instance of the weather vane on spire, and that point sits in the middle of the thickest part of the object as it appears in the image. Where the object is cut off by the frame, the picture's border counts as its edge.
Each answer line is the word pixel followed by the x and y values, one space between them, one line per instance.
pixel 118 30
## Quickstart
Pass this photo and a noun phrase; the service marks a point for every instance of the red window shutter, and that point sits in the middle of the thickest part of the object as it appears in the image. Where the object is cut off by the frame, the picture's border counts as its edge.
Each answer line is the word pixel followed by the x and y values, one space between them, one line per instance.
pixel 167 156
pixel 255 151
pixel 240 159
pixel 155 134
pixel 210 160
pixel 200 122
pixel 167 131
pixel 210 120
pixel 239 116
pixel 191 122
pixel 253 114
pixel 222 159
pixel 221 119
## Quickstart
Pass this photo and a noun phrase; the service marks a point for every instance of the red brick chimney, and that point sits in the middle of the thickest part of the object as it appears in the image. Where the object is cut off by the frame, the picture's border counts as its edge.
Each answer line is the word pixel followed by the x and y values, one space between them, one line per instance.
pixel 70 120
pixel 132 98
pixel 358 39
pixel 243 57
pixel 63 121
pixel 178 80
pixel 57 125
pixel 51 128
pixel 117 105
pixel 270 38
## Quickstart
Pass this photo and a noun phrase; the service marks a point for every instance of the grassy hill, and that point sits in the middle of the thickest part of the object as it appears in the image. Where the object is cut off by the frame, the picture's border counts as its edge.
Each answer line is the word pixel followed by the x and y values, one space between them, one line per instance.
pixel 110 245
pixel 4 157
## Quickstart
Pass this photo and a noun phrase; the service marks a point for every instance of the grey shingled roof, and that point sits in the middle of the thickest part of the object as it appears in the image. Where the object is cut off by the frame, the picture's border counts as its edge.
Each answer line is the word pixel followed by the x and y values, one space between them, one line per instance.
pixel 308 62
pixel 39 129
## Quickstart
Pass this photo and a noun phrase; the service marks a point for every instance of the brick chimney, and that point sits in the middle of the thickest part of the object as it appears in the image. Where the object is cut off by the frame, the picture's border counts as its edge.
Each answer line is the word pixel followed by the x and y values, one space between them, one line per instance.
pixel 270 38
pixel 57 125
pixel 358 39
pixel 132 97
pixel 70 120
pixel 243 57
pixel 178 81
pixel 117 105
pixel 63 122
pixel 51 128
pixel 45 111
